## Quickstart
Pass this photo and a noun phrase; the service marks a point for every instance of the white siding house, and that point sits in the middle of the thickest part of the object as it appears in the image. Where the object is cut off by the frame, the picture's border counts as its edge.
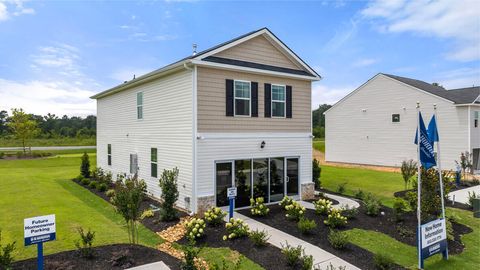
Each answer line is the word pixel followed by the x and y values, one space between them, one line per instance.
pixel 237 114
pixel 376 123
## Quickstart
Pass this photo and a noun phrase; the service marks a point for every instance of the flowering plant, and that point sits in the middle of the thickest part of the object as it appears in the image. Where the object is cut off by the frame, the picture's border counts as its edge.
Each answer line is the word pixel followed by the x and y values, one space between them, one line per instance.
pixel 195 228
pixel 294 211
pixel 258 207
pixel 286 201
pixel 214 216
pixel 335 219
pixel 236 228
pixel 322 206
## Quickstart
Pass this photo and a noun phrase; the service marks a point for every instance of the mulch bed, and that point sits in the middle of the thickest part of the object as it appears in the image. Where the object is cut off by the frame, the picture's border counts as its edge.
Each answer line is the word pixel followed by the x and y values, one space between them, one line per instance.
pixel 269 257
pixel 448 203
pixel 119 256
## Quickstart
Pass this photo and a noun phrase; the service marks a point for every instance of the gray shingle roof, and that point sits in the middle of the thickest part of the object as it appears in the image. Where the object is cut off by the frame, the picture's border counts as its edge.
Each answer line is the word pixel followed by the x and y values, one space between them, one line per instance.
pixel 458 96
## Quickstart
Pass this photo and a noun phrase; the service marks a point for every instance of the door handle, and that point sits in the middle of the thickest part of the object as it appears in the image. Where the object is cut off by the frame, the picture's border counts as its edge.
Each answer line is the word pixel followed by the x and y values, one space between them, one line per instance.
pixel 288 179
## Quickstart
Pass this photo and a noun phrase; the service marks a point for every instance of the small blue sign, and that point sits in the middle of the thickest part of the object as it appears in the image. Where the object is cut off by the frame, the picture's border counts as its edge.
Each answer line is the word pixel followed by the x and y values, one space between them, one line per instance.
pixel 32 240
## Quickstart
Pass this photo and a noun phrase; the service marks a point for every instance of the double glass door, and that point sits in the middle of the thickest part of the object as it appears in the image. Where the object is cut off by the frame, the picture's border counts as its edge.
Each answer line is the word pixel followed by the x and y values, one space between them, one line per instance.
pixel 270 178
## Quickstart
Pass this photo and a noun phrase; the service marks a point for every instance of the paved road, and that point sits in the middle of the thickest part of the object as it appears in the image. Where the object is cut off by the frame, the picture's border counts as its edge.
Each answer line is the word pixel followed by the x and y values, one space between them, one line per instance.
pixel 46 148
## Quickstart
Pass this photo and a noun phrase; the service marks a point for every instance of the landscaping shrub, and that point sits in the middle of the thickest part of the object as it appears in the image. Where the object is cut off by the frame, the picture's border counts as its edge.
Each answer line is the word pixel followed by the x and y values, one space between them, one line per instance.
pixel 372 205
pixel 322 206
pixel 306 225
pixel 338 239
pixel 332 267
pixel 147 214
pixel 471 196
pixel 335 219
pixel 411 198
pixel 448 224
pixel 292 254
pixel 408 169
pixel 359 194
pixel 2 155
pixel 214 216
pixel 110 193
pixel 295 211
pixel 84 244
pixel 307 262
pixel 194 228
pixel 102 187
pixel 399 208
pixel 127 199
pixel 258 207
pixel 259 238
pixel 286 201
pixel 168 184
pixel 341 188
pixel 316 172
pixel 93 184
pixel 122 259
pixel 191 254
pixel 85 181
pixel 236 228
pixel 349 212
pixel 85 166
pixel 6 254
pixel 383 261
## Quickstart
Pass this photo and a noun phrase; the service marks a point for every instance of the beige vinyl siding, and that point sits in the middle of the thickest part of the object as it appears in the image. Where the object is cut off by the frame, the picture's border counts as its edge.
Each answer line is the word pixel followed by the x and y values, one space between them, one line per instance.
pixel 166 125
pixel 370 137
pixel 211 104
pixel 259 50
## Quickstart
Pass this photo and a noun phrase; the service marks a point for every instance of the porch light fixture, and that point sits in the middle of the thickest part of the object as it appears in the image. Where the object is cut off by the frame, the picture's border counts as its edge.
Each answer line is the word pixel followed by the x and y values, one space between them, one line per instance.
pixel 262 145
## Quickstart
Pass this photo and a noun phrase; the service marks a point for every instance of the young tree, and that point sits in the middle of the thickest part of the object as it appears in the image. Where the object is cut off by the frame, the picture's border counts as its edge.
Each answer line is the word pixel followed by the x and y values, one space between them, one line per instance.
pixel 168 184
pixel 409 168
pixel 465 162
pixel 23 126
pixel 85 167
pixel 316 172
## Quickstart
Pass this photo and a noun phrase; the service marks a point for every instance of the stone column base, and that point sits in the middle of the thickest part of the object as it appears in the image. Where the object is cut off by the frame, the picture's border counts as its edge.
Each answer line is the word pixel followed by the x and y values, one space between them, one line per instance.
pixel 308 191
pixel 205 203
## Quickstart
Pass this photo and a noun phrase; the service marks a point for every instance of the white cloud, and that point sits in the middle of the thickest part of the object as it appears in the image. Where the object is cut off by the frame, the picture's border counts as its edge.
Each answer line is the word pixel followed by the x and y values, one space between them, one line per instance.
pixel 13 7
pixel 3 12
pixel 459 78
pixel 449 19
pixel 364 62
pixel 322 94
pixel 341 37
pixel 61 59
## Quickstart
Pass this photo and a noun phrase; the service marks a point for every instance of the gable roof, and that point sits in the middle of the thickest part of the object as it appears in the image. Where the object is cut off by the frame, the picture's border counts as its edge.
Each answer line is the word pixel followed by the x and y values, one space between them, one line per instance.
pixel 205 56
pixel 458 96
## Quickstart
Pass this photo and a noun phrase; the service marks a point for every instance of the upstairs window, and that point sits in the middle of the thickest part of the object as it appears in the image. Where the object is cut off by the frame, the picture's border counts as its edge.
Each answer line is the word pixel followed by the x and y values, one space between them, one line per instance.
pixel 242 96
pixel 109 154
pixel 278 100
pixel 476 119
pixel 153 162
pixel 396 118
pixel 140 105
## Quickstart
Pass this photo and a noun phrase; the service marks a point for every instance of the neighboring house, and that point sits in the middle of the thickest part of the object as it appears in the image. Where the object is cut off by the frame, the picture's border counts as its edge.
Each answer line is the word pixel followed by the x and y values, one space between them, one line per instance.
pixel 238 114
pixel 376 123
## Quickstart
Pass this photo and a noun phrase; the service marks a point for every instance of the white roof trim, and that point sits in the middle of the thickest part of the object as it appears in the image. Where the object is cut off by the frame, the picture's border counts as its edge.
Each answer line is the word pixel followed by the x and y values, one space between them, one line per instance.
pixel 289 52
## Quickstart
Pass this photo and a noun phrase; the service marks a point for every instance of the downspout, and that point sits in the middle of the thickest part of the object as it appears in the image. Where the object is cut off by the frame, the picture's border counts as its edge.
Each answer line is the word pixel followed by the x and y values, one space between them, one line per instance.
pixel 469 129
pixel 194 137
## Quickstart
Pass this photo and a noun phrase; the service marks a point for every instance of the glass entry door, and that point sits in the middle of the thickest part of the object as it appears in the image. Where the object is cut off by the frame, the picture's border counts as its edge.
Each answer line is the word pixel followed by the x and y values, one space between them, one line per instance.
pixel 224 176
pixel 277 179
pixel 292 177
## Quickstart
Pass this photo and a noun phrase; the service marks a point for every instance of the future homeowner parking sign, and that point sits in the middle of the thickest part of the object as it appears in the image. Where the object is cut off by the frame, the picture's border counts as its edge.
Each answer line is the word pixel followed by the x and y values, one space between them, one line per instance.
pixel 39 229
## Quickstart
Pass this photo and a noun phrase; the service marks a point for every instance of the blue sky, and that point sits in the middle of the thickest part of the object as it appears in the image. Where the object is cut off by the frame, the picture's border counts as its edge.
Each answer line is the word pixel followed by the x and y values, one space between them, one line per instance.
pixel 54 55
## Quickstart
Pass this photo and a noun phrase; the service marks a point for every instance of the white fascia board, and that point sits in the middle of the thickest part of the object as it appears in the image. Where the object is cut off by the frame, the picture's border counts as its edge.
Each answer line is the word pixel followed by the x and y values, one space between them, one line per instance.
pixel 260 136
pixel 253 70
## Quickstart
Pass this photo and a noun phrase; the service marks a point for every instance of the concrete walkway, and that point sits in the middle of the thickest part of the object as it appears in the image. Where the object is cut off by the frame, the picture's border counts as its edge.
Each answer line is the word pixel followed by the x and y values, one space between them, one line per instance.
pixel 342 201
pixel 461 196
pixel 321 257
pixel 151 266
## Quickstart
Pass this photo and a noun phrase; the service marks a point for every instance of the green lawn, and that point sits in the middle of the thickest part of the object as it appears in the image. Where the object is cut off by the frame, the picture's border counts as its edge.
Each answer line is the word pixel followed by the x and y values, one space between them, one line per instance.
pixel 49 142
pixel 382 184
pixel 319 144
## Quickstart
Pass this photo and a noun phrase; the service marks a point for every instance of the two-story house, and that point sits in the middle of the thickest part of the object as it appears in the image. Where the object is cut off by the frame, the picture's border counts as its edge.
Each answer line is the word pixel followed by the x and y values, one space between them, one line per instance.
pixel 376 123
pixel 237 114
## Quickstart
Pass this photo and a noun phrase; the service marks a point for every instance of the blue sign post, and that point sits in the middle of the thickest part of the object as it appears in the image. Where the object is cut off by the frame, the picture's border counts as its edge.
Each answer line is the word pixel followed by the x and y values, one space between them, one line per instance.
pixel 38 230
pixel 231 194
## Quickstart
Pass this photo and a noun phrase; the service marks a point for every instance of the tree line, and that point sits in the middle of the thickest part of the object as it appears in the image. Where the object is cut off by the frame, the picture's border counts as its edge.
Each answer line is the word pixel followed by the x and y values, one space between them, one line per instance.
pixel 318 120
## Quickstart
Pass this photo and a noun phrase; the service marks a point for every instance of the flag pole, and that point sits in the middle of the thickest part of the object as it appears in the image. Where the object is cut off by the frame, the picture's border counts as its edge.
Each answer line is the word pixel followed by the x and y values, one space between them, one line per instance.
pixel 419 185
pixel 440 172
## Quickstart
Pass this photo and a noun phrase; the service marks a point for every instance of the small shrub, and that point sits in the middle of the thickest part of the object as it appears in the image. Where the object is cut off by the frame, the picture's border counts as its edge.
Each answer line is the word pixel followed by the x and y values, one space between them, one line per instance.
pixel 359 194
pixel 93 184
pixel 335 219
pixel 322 206
pixel 295 211
pixel 449 225
pixel 85 181
pixel 408 169
pixel 372 205
pixel 332 267
pixel 471 196
pixel 147 214
pixel 316 172
pixel 6 257
pixel 286 201
pixel 306 225
pixel 307 262
pixel 122 259
pixel 411 198
pixel 236 228
pixel 292 254
pixel 168 184
pixel 349 212
pixel 338 239
pixel 399 208
pixel 102 187
pixel 85 166
pixel 214 216
pixel 191 254
pixel 383 261
pixel 404 231
pixel 84 245
pixel 341 188
pixel 258 207
pixel 2 155
pixel 195 228
pixel 259 238
pixel 110 193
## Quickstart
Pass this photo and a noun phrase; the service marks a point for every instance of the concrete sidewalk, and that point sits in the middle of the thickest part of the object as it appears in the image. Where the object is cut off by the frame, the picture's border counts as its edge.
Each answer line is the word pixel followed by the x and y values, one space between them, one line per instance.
pixel 461 196
pixel 342 201
pixel 321 257
pixel 151 266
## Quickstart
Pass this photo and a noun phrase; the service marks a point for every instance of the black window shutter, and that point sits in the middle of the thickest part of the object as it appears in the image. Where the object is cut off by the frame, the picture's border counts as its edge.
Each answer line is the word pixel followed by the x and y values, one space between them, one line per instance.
pixel 254 99
pixel 289 101
pixel 229 97
pixel 268 100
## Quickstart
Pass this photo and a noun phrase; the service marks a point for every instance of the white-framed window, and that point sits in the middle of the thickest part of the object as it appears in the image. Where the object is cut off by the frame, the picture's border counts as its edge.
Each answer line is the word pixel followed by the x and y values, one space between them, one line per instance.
pixel 109 154
pixel 278 100
pixel 476 119
pixel 133 163
pixel 242 92
pixel 140 105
